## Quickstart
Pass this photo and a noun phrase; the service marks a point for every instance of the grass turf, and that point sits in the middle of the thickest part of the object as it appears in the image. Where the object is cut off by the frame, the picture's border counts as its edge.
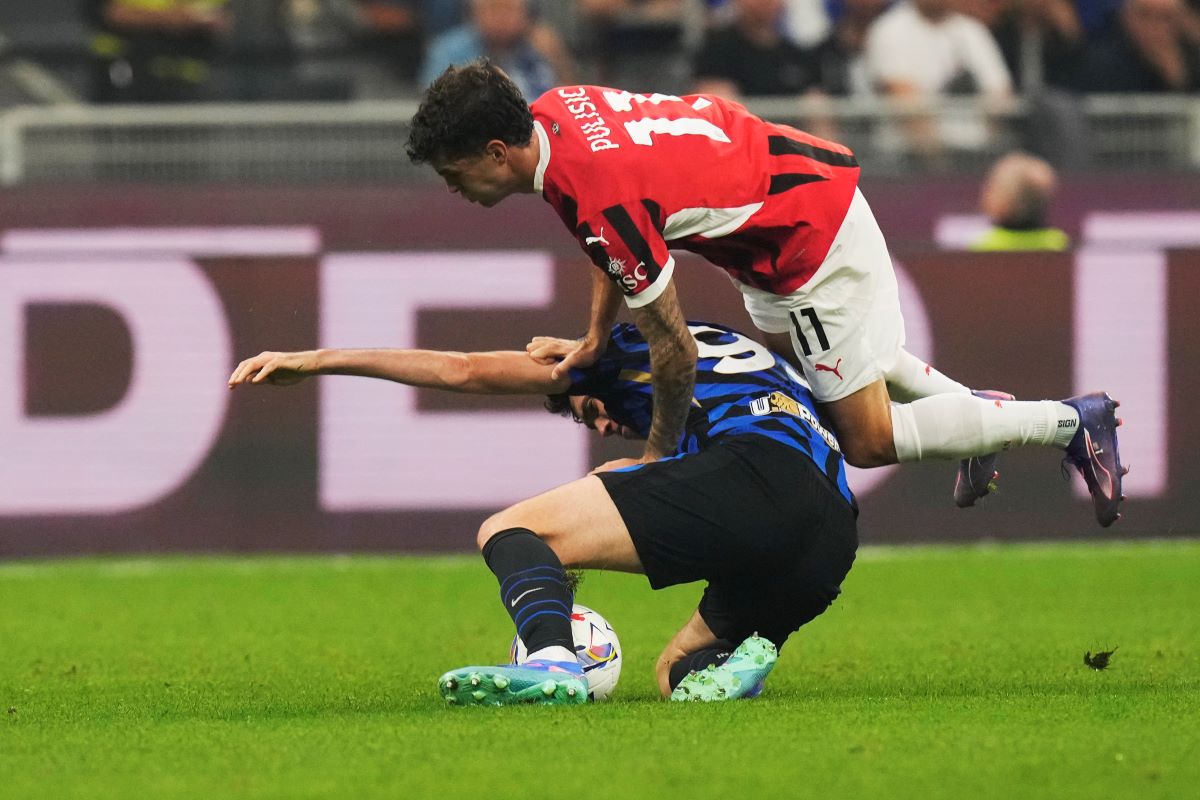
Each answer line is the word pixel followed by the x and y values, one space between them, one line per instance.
pixel 941 672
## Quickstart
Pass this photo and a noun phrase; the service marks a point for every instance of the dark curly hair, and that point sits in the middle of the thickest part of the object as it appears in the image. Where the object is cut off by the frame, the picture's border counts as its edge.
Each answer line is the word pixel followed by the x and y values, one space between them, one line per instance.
pixel 464 109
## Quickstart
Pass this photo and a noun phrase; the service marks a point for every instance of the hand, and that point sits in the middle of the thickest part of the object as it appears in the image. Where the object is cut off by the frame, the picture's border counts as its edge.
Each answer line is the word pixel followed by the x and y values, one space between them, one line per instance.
pixel 617 463
pixel 278 369
pixel 563 353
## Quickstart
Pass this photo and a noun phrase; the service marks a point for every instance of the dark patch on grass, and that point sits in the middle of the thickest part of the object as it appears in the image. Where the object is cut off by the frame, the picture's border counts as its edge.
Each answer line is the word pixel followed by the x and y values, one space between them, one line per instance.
pixel 1100 660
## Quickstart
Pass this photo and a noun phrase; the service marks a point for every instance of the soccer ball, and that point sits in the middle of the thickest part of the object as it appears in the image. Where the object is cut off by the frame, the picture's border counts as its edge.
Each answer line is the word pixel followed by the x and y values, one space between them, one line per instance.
pixel 596 647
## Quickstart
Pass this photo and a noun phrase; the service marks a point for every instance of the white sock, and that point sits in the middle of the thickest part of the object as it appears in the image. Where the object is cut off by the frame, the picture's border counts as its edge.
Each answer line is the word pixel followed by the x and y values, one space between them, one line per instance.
pixel 911 379
pixel 961 426
pixel 552 653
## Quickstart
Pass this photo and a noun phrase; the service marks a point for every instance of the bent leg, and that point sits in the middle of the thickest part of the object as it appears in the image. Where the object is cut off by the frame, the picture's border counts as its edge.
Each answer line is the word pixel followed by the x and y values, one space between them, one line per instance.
pixel 863 421
pixel 527 546
pixel 874 432
pixel 578 521
pixel 910 379
pixel 694 647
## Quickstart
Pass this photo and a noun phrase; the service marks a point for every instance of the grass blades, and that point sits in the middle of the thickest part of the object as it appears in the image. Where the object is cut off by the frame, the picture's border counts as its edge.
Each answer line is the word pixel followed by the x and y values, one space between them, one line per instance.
pixel 941 672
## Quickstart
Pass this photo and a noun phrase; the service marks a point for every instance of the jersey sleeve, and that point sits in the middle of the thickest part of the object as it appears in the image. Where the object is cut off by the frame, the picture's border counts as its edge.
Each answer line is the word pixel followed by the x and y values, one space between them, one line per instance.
pixel 625 242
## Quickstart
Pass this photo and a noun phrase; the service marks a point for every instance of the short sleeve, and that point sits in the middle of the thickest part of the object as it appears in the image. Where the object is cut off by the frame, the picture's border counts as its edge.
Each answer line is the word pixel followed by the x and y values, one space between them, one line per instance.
pixel 624 241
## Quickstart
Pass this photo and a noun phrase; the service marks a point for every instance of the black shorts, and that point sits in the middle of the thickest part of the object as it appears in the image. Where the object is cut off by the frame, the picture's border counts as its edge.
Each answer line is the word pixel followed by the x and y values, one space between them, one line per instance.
pixel 755 518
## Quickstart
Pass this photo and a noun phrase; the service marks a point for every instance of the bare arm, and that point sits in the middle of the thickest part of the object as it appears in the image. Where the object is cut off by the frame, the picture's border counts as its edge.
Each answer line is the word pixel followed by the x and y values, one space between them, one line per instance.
pixel 502 372
pixel 606 299
pixel 673 371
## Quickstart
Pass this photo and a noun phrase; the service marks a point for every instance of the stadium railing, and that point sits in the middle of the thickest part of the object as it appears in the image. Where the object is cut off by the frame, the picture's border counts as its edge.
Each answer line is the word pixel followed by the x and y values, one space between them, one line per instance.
pixel 364 141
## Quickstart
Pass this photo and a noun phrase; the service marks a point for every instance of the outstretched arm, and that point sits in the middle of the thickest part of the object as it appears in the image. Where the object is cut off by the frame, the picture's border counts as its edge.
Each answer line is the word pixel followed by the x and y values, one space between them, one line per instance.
pixel 606 298
pixel 501 372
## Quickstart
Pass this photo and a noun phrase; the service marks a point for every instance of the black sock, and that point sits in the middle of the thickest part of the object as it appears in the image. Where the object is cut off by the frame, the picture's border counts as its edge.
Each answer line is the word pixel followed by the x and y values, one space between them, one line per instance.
pixel 533 588
pixel 694 662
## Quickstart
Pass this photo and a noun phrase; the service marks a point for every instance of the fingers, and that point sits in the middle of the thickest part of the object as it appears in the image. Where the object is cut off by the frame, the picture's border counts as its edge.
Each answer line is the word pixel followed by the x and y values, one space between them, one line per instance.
pixel 568 361
pixel 254 370
pixel 545 349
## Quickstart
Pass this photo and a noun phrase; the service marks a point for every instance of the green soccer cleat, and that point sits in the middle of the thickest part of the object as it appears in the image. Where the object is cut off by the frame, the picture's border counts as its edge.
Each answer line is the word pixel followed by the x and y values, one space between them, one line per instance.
pixel 547 683
pixel 741 675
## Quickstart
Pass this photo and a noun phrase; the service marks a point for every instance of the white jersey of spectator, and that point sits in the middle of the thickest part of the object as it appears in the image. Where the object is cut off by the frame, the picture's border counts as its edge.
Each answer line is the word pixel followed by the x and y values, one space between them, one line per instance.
pixel 905 47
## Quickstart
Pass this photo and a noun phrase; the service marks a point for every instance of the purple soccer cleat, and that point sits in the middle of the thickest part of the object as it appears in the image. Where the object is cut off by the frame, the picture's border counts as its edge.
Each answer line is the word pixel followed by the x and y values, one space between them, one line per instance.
pixel 1094 453
pixel 977 475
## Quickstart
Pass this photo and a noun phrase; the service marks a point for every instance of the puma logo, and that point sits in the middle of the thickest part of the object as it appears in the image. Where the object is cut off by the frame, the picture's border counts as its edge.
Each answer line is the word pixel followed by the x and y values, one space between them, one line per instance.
pixel 833 369
pixel 590 240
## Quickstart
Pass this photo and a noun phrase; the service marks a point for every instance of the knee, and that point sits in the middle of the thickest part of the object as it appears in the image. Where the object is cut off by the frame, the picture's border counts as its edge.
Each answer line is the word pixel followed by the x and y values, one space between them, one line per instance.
pixel 869 446
pixel 496 523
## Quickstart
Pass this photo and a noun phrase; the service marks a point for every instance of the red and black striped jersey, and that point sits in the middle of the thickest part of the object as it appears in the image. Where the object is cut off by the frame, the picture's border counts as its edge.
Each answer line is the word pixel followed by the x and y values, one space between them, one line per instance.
pixel 634 175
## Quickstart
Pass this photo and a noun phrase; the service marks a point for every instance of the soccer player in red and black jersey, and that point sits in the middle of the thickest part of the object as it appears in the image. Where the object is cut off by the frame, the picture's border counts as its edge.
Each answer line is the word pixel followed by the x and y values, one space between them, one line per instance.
pixel 634 175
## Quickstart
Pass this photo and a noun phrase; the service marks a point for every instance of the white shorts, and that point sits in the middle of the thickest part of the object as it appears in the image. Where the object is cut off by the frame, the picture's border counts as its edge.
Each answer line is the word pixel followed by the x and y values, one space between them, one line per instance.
pixel 845 323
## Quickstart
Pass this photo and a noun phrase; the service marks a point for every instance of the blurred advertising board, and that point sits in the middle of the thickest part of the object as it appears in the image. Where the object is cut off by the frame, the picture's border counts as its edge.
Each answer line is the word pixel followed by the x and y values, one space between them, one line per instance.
pixel 118 329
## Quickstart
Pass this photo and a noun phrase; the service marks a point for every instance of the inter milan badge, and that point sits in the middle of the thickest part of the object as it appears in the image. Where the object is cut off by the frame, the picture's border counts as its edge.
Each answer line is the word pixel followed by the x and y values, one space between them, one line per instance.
pixel 555 129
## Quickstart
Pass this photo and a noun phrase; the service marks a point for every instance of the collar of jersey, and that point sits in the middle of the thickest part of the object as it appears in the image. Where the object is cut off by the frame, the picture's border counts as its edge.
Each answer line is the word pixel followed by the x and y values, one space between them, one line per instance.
pixel 539 174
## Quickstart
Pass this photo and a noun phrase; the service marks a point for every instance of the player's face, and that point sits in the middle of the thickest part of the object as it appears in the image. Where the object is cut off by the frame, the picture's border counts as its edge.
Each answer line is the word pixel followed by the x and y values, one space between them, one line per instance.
pixel 480 179
pixel 591 412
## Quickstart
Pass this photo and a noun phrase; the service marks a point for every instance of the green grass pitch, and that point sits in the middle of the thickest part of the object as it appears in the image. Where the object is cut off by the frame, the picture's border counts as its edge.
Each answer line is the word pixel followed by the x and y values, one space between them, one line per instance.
pixel 941 672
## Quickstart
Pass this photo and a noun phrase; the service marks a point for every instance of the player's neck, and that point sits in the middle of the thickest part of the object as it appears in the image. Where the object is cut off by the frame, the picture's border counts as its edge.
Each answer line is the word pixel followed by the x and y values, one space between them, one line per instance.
pixel 524 162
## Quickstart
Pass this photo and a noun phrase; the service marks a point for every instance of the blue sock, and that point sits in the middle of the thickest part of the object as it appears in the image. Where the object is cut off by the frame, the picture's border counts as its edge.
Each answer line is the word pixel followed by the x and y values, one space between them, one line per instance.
pixel 533 588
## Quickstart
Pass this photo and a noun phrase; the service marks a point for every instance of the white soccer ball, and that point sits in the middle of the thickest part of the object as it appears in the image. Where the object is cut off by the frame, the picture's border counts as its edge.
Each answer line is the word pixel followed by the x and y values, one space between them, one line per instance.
pixel 596 648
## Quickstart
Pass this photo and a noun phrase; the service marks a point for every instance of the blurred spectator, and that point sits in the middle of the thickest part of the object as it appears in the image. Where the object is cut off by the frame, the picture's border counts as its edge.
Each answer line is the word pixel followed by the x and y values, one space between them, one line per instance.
pixel 355 48
pixel 391 31
pixel 804 22
pixel 641 44
pixel 840 55
pixel 1096 15
pixel 1150 49
pixel 1016 198
pixel 919 50
pixel 750 56
pixel 156 51
pixel 1042 40
pixel 808 22
pixel 532 54
pixel 441 15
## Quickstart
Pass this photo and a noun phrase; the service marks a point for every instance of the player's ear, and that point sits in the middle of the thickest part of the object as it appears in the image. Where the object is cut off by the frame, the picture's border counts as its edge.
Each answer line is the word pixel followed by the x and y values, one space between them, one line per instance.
pixel 497 151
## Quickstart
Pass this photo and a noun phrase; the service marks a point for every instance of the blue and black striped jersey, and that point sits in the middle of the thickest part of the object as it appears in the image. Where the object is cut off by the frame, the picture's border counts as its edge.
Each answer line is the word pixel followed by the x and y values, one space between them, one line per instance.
pixel 742 389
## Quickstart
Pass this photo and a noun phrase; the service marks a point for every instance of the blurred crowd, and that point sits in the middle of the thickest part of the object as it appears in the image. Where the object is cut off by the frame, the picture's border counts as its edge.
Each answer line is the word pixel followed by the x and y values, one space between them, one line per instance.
pixel 195 50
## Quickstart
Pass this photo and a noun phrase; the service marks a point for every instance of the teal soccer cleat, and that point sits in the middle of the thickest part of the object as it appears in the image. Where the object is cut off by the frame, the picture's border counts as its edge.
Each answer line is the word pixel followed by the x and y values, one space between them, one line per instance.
pixel 549 683
pixel 741 676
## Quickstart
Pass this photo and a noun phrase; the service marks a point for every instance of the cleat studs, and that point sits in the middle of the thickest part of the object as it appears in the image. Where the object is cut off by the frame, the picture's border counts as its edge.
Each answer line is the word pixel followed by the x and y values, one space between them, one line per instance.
pixel 479 696
pixel 1120 422
pixel 571 692
pixel 451 684
pixel 1116 403
pixel 548 688
pixel 475 680
pixel 500 681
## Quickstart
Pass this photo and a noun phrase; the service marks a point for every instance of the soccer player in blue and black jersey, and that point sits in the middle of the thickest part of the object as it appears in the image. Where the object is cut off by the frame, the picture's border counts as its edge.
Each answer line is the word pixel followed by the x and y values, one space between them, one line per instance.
pixel 754 501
